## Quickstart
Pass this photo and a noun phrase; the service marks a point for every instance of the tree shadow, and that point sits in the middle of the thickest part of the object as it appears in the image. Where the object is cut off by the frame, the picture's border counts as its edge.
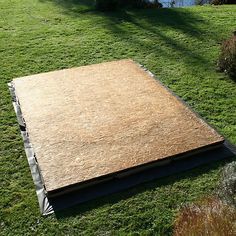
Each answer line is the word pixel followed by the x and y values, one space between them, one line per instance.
pixel 175 18
pixel 74 6
pixel 155 25
pixel 153 20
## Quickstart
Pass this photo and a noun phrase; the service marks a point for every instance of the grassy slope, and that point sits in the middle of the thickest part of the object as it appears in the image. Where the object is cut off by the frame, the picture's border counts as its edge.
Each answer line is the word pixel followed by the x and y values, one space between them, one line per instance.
pixel 179 45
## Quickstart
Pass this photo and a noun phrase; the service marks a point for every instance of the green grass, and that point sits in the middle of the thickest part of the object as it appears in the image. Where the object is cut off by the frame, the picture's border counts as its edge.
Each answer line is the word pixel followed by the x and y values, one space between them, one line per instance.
pixel 179 45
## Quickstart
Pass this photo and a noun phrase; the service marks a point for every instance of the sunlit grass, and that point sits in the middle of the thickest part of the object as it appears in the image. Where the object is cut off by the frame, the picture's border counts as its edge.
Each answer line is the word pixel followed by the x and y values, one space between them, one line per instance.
pixel 180 46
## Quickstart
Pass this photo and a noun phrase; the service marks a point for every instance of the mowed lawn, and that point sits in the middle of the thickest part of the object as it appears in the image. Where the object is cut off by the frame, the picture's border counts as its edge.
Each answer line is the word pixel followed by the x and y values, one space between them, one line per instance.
pixel 180 46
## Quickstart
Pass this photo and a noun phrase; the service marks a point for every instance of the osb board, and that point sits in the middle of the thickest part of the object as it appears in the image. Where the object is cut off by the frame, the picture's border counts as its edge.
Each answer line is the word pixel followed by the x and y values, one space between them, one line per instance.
pixel 96 120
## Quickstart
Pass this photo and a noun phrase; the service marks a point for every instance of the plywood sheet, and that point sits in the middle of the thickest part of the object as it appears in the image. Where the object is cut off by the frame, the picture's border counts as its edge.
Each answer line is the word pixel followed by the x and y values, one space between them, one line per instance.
pixel 97 120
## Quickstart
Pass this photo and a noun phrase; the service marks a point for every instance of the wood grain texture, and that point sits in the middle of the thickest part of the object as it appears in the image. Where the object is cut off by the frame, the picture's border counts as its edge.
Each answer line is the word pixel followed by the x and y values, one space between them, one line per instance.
pixel 99 119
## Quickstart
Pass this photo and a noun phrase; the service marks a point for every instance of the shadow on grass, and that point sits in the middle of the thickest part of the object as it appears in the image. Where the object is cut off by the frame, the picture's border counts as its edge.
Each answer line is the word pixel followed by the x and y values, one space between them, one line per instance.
pixel 157 31
pixel 180 19
pixel 173 34
pixel 74 6
pixel 126 194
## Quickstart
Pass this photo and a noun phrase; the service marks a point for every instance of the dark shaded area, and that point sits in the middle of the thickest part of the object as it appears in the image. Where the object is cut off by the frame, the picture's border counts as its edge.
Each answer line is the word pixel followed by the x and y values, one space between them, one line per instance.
pixel 76 6
pixel 111 5
pixel 220 2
